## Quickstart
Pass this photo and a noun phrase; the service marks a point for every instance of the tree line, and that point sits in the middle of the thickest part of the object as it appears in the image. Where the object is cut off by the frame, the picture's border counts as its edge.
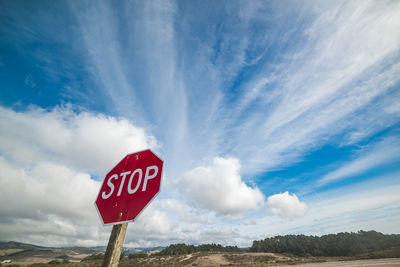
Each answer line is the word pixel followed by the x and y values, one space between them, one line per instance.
pixel 369 243
pixel 341 244
pixel 181 249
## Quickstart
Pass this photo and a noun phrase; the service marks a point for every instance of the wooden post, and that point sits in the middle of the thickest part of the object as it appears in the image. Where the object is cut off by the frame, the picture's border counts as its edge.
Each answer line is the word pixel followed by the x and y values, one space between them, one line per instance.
pixel 114 247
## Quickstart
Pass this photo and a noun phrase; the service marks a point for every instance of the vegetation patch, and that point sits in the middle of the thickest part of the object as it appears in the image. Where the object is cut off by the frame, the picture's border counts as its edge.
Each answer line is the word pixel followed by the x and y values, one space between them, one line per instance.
pixel 341 244
pixel 248 259
pixel 182 249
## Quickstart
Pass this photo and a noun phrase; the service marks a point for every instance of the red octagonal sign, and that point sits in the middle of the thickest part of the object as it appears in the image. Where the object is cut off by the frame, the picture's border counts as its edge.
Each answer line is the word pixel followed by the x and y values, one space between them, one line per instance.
pixel 129 187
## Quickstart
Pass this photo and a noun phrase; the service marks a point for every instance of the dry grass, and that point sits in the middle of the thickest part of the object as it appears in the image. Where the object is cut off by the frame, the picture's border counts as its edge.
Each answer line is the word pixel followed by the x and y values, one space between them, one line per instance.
pixel 4 252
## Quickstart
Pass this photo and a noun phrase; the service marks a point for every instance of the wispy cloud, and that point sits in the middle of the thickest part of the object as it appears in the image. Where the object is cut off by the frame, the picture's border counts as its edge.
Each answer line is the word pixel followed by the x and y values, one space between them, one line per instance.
pixel 138 69
pixel 384 152
pixel 336 75
pixel 99 32
pixel 233 81
pixel 346 57
pixel 29 81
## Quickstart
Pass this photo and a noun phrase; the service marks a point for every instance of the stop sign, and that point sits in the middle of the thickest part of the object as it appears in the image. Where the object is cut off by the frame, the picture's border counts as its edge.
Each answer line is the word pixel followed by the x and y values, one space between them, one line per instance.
pixel 129 187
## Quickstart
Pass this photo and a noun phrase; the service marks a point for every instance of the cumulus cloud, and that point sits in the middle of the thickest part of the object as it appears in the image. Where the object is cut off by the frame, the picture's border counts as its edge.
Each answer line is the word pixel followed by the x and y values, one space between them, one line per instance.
pixel 91 142
pixel 46 190
pixel 286 205
pixel 152 224
pixel 219 187
pixel 47 203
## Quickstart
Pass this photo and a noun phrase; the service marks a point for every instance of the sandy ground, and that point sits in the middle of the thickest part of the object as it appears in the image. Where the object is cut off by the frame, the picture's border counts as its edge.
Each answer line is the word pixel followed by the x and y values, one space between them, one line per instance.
pixel 219 260
pixel 369 263
pixel 211 260
pixel 275 255
pixel 78 256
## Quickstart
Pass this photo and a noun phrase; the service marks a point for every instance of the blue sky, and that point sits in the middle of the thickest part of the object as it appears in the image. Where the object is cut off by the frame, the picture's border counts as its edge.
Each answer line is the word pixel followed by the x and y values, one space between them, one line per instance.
pixel 272 117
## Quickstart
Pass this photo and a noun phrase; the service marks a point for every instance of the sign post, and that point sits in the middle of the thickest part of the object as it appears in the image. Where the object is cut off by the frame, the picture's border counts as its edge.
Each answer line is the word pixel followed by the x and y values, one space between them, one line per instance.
pixel 126 190
pixel 114 247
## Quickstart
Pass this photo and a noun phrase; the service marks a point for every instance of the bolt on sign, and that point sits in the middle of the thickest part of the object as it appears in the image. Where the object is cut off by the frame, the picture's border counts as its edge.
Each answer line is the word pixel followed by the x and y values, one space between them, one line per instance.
pixel 129 187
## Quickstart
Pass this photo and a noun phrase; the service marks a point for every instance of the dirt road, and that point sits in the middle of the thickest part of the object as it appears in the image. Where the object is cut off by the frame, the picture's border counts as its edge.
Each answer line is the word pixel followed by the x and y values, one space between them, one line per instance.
pixel 361 263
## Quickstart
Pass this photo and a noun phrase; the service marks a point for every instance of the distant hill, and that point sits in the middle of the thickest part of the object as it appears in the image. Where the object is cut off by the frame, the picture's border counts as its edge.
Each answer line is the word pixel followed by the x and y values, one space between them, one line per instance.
pixel 17 245
pixel 98 248
pixel 81 250
pixel 129 250
pixel 17 251
pixel 20 252
pixel 142 250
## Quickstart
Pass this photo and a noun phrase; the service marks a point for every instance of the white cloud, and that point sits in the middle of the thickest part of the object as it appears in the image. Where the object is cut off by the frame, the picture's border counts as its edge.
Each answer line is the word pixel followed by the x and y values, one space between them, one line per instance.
pixel 219 187
pixel 384 152
pixel 335 64
pixel 46 191
pixel 152 224
pixel 219 235
pixel 335 81
pixel 183 212
pixel 286 205
pixel 125 72
pixel 91 142
pixel 45 199
pixel 370 205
